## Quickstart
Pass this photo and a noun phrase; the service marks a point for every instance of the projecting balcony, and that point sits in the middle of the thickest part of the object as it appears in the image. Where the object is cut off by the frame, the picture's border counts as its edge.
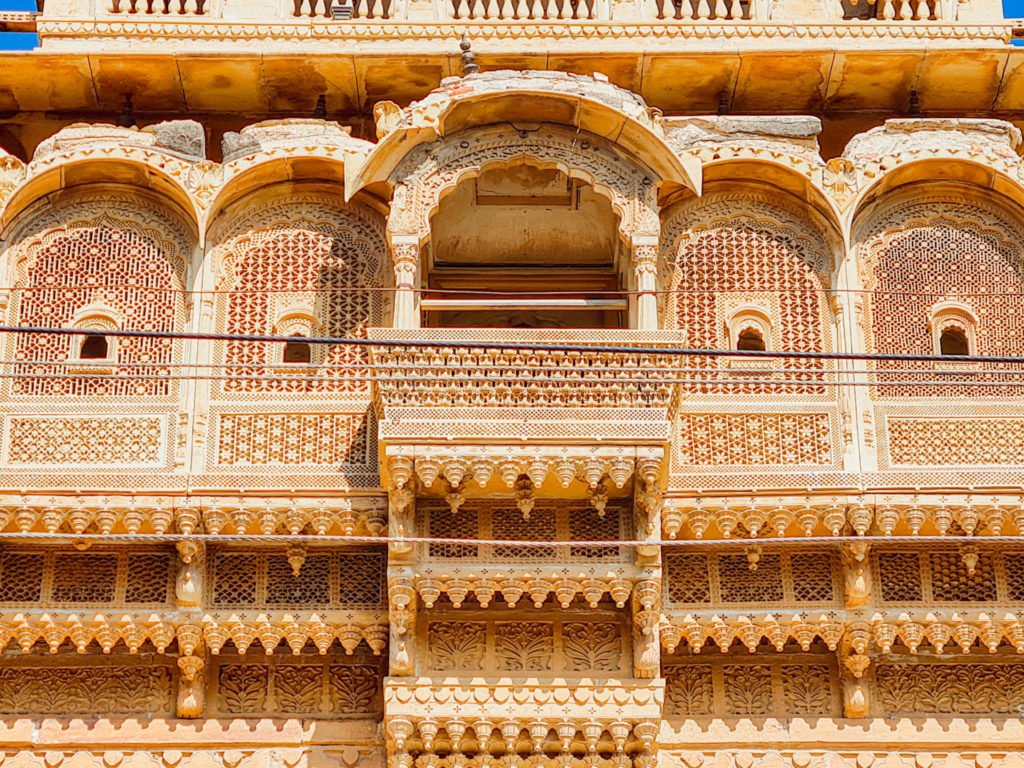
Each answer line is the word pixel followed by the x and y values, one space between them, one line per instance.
pixel 514 374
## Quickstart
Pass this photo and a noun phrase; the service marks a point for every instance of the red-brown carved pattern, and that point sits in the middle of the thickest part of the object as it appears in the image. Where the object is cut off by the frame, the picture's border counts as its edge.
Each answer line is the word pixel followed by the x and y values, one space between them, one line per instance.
pixel 319 264
pixel 120 267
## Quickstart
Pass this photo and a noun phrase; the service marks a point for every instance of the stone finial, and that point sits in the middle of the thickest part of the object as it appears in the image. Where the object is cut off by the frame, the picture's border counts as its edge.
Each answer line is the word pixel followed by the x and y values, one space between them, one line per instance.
pixel 127 117
pixel 468 58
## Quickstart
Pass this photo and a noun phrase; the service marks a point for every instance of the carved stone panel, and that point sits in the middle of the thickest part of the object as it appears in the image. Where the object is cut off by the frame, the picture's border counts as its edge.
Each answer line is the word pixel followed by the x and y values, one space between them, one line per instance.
pixel 730 686
pixel 309 686
pixel 538 643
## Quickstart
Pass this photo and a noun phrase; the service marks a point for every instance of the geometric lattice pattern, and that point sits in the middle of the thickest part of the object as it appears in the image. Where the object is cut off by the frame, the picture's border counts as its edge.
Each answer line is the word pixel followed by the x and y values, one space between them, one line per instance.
pixel 69 579
pixel 500 519
pixel 133 271
pixel 807 578
pixel 945 576
pixel 349 580
pixel 926 251
pixel 716 439
pixel 316 258
pixel 94 441
pixel 956 442
pixel 750 263
pixel 292 439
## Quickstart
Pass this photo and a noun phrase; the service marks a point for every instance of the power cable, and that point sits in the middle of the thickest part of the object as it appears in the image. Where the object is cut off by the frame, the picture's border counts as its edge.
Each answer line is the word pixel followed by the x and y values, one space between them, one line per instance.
pixel 520 346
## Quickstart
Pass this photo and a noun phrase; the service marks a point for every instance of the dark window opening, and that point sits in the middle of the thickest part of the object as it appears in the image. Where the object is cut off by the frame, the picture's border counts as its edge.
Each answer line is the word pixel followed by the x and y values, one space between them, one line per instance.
pixel 750 339
pixel 953 341
pixel 299 352
pixel 94 348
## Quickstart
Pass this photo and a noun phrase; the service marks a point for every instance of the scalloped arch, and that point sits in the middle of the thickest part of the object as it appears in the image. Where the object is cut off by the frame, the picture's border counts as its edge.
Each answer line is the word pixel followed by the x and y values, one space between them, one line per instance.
pixel 431 172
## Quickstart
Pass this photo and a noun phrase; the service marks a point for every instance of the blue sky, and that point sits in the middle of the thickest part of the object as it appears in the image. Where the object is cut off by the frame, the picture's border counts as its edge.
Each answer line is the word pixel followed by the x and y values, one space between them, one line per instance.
pixel 22 41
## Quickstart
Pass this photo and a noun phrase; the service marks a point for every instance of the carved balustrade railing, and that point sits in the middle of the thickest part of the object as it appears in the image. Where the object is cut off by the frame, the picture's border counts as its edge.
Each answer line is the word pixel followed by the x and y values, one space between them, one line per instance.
pixel 345 10
pixel 524 11
pixel 427 376
pixel 899 10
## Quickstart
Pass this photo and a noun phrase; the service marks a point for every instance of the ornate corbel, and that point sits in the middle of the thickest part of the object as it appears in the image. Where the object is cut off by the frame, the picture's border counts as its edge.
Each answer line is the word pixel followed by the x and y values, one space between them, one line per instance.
pixel 646 607
pixel 191 686
pixel 401 517
pixel 188 587
pixel 402 614
pixel 857 573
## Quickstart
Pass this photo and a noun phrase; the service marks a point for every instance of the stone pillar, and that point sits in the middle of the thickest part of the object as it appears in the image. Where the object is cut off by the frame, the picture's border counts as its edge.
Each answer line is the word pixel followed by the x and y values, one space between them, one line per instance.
pixel 405 255
pixel 644 253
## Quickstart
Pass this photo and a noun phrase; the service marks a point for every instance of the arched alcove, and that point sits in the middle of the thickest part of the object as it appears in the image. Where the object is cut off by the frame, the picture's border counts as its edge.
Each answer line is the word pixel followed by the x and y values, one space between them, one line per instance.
pixel 547 244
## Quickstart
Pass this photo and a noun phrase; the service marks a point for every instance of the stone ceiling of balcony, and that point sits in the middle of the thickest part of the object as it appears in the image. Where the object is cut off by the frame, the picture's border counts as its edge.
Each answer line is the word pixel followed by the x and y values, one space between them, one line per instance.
pixel 947 80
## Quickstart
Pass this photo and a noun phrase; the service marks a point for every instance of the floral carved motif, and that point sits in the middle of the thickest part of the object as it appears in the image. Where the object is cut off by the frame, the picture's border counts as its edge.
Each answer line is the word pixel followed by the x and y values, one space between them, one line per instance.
pixel 950 688
pixel 86 690
pixel 593 647
pixel 748 689
pixel 525 646
pixel 688 690
pixel 807 688
pixel 456 645
pixel 313 688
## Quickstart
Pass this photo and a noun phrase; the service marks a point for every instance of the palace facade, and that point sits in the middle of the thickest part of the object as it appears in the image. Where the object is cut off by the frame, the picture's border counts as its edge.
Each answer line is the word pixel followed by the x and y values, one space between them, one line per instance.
pixel 519 522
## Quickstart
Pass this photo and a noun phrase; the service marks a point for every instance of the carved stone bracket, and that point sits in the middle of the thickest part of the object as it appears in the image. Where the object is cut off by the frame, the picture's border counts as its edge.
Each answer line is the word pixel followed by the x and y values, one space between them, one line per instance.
pixel 865 515
pixel 479 465
pixel 364 516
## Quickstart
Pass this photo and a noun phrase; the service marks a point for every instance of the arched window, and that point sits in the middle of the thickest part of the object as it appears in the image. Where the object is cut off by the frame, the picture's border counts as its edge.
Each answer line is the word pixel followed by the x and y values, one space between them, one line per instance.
pixel 953 341
pixel 94 347
pixel 750 339
pixel 297 351
pixel 954 328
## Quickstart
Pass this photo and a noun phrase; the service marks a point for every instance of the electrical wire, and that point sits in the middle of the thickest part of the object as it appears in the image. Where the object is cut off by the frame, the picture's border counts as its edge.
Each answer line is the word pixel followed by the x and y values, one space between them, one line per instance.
pixel 518 368
pixel 493 293
pixel 256 538
pixel 510 380
pixel 519 346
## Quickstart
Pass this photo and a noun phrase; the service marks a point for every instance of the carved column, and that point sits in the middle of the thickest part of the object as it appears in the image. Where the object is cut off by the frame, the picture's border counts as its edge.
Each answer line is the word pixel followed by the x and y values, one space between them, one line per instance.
pixel 645 269
pixel 405 255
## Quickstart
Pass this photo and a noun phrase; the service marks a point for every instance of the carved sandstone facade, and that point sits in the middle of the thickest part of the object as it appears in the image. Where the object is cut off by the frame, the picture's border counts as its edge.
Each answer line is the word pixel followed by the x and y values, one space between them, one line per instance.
pixel 388 445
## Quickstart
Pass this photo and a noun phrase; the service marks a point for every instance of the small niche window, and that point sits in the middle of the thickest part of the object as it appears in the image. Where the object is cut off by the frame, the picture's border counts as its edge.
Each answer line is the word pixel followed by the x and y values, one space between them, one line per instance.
pixel 94 347
pixel 750 340
pixel 953 341
pixel 297 351
pixel 953 326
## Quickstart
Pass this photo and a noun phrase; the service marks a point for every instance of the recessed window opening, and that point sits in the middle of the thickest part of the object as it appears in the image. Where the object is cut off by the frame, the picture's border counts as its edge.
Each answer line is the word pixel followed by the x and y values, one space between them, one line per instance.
pixel 94 347
pixel 297 351
pixel 953 341
pixel 750 340
pixel 525 247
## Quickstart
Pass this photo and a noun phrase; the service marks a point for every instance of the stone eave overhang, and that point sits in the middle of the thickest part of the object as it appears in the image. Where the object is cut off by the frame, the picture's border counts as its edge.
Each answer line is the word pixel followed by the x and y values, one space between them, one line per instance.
pixel 844 67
